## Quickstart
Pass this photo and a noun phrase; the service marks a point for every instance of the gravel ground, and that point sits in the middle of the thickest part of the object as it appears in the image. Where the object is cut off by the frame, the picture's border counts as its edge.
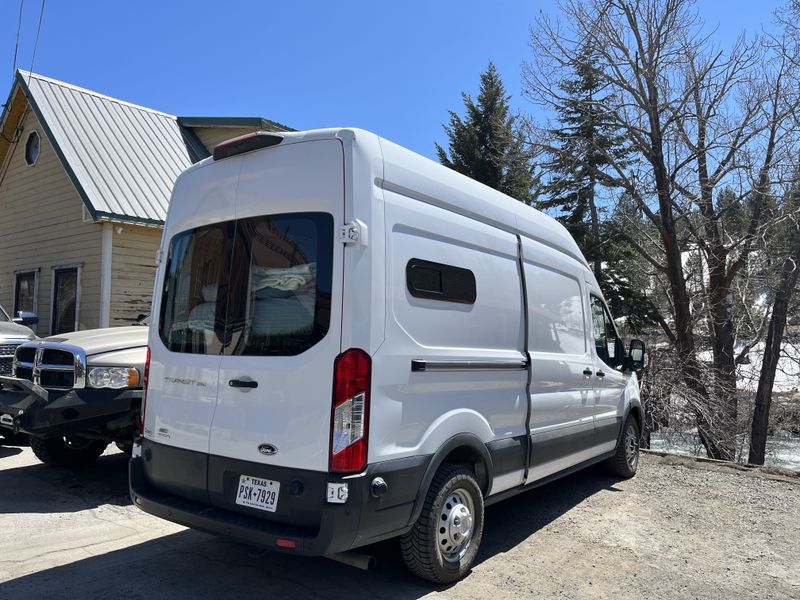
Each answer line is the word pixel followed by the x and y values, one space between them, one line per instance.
pixel 679 529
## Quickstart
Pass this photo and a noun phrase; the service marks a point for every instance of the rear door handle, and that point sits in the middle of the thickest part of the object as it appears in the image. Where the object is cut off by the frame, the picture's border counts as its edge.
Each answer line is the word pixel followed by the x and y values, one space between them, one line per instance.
pixel 600 374
pixel 587 372
pixel 243 383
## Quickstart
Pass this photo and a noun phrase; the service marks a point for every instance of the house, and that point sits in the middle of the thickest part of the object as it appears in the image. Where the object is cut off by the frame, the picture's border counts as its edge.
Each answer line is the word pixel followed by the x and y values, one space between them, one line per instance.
pixel 85 180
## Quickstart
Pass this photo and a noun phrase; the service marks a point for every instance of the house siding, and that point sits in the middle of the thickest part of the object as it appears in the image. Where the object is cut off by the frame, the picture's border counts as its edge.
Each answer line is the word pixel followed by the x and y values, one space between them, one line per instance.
pixel 211 136
pixel 133 271
pixel 42 226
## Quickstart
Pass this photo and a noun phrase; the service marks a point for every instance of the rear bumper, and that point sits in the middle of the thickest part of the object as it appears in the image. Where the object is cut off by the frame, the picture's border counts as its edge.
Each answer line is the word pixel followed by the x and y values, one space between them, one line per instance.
pixel 305 522
pixel 67 412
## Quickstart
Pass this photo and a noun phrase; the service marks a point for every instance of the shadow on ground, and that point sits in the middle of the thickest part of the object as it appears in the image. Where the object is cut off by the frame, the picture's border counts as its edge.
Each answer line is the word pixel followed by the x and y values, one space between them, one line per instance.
pixel 194 565
pixel 39 488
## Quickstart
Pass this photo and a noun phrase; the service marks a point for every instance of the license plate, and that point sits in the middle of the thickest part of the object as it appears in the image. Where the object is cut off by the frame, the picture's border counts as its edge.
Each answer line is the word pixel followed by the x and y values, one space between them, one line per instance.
pixel 255 492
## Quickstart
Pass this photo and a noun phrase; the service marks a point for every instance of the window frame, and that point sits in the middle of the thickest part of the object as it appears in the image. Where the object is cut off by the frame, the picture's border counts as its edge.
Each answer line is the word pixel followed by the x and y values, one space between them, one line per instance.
pixel 28 162
pixel 78 268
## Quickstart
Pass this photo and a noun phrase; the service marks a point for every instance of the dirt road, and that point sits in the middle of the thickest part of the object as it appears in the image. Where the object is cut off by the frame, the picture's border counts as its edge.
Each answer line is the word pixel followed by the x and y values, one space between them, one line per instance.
pixel 674 531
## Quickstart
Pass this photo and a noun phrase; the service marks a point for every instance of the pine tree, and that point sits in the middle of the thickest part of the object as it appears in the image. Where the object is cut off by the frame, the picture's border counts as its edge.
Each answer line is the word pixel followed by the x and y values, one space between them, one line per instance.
pixel 582 146
pixel 487 143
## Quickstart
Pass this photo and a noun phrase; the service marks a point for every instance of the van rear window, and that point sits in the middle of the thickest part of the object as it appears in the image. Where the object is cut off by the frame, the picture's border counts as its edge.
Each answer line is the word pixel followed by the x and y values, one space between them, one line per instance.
pixel 257 286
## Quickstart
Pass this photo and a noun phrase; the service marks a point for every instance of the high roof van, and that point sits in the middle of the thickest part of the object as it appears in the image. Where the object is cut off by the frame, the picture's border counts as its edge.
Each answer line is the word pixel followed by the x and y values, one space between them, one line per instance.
pixel 352 343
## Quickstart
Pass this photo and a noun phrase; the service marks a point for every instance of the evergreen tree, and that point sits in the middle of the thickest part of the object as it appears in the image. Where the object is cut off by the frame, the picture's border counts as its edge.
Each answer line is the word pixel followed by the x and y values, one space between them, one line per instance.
pixel 582 146
pixel 487 143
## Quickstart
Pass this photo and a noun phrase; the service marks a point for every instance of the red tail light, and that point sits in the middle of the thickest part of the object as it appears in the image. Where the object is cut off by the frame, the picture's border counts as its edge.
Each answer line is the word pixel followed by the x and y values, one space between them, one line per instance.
pixel 144 388
pixel 350 415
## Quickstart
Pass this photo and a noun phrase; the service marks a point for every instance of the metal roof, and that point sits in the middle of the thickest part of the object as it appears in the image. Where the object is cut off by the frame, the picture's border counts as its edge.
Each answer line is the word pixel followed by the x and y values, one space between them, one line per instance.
pixel 122 158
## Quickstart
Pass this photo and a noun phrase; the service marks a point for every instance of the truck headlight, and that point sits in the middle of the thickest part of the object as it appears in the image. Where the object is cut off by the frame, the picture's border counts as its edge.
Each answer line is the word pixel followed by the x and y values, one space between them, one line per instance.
pixel 113 377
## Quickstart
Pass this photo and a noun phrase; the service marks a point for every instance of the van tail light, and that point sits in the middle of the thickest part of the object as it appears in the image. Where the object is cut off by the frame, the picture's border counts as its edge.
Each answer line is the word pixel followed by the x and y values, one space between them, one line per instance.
pixel 350 415
pixel 144 391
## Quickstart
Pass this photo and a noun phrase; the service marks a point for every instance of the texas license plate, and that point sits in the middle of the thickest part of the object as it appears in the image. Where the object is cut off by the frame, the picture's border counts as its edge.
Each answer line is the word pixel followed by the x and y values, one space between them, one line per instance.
pixel 258 493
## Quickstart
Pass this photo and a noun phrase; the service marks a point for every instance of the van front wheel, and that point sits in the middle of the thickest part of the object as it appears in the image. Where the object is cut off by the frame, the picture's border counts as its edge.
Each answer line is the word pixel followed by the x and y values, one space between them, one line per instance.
pixel 625 461
pixel 443 543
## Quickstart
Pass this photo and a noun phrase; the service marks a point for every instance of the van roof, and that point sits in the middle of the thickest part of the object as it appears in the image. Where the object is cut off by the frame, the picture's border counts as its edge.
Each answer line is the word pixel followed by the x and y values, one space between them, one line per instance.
pixel 416 176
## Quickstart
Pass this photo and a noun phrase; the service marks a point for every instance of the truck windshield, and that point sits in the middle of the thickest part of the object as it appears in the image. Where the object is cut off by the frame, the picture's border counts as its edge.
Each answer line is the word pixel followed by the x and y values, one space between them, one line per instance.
pixel 256 286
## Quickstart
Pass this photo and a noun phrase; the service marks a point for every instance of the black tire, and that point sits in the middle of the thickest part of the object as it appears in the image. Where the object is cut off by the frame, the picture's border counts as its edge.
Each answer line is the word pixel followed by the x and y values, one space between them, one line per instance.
pixel 69 452
pixel 625 461
pixel 425 547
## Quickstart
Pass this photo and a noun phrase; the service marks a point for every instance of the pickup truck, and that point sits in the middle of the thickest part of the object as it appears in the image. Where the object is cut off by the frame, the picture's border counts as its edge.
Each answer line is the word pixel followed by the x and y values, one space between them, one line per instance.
pixel 76 393
pixel 13 332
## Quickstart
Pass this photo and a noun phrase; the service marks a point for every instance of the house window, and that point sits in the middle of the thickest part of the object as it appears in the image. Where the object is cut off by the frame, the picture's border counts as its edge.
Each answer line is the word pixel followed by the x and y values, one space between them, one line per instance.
pixel 24 292
pixel 66 299
pixel 32 148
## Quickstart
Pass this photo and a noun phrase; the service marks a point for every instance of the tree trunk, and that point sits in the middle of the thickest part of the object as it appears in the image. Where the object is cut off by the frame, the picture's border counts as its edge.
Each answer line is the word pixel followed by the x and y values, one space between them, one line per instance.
pixel 772 352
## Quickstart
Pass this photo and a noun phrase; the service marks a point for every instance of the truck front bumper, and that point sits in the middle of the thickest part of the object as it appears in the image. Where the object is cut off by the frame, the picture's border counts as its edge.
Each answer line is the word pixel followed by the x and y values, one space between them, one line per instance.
pixel 27 408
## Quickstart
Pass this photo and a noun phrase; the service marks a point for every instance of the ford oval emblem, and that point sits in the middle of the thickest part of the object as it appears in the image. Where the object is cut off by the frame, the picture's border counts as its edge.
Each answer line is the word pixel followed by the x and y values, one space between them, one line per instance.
pixel 267 449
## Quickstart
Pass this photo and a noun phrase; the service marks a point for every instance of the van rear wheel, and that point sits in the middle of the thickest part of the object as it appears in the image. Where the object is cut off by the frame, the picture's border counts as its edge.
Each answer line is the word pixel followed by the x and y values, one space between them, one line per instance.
pixel 444 541
pixel 67 451
pixel 625 461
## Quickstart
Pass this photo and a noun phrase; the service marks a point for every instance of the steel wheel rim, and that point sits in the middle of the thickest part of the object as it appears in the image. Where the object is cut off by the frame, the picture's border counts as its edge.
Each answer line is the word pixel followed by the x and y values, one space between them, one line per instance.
pixel 631 446
pixel 455 525
pixel 76 443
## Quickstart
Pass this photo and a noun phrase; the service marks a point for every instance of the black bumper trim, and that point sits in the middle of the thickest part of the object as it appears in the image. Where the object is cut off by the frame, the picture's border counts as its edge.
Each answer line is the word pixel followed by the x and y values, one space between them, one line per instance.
pixel 363 519
pixel 67 412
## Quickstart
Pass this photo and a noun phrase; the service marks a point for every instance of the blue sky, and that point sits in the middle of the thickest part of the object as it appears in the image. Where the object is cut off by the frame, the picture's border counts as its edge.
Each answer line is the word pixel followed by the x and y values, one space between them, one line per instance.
pixel 394 68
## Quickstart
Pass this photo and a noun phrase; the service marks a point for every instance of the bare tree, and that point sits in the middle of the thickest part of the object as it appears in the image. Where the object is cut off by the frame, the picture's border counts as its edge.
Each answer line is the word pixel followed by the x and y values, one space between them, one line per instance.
pixel 698 118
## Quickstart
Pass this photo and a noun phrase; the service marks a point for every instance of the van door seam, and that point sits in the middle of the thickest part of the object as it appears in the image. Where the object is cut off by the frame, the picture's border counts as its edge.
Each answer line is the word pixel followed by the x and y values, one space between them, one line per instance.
pixel 528 362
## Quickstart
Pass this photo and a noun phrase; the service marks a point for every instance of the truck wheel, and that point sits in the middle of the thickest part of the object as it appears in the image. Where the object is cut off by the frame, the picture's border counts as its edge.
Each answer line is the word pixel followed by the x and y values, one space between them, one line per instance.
pixel 626 459
pixel 443 543
pixel 70 451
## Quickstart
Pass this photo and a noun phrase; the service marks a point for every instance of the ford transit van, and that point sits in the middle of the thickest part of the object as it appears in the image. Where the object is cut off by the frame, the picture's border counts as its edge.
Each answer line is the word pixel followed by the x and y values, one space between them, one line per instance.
pixel 352 343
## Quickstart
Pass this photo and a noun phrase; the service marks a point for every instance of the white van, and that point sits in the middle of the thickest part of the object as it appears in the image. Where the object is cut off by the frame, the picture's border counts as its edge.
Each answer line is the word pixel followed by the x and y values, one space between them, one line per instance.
pixel 351 343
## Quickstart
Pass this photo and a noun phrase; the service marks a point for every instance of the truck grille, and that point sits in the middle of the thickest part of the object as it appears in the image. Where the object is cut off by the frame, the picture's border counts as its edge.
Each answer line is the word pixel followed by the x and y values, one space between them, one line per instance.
pixel 6 357
pixel 51 365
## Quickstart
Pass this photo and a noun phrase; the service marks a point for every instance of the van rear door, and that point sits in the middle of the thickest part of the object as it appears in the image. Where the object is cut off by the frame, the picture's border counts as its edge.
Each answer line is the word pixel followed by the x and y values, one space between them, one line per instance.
pixel 283 323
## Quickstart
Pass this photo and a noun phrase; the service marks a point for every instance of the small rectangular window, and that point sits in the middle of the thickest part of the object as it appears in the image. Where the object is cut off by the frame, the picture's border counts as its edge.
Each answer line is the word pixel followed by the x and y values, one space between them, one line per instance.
pixel 65 301
pixel 25 292
pixel 435 281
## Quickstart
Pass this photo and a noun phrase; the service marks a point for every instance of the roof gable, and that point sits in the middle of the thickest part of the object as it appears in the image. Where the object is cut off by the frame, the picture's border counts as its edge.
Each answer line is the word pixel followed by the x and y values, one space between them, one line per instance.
pixel 122 158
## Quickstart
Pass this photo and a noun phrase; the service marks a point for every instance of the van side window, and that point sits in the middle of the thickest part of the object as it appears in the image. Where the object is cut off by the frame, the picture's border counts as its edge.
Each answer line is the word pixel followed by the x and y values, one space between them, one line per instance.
pixel 435 281
pixel 605 334
pixel 555 311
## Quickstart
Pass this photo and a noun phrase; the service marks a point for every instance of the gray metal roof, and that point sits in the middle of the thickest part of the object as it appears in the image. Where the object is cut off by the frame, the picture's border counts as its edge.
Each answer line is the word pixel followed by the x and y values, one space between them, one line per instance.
pixel 122 158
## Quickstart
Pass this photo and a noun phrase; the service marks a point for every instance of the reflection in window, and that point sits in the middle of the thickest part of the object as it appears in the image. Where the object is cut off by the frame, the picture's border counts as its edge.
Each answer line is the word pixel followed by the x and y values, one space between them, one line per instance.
pixel 555 312
pixel 286 262
pixel 604 334
pixel 256 286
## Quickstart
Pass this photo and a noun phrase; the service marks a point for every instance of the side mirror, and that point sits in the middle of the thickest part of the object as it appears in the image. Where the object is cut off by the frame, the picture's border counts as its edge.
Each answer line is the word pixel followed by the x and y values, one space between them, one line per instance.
pixel 636 355
pixel 26 318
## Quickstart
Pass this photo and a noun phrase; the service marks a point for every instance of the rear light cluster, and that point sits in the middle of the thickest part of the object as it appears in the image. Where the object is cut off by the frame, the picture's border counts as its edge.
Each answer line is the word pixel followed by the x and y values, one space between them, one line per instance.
pixel 144 390
pixel 350 419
